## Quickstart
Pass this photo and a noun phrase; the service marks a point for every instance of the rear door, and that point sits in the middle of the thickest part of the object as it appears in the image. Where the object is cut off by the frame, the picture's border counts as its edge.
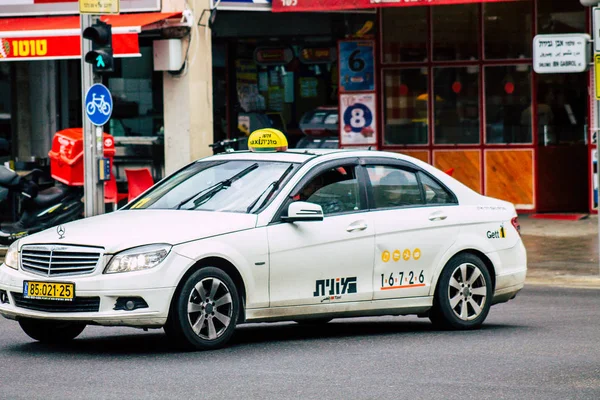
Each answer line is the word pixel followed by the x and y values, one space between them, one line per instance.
pixel 416 221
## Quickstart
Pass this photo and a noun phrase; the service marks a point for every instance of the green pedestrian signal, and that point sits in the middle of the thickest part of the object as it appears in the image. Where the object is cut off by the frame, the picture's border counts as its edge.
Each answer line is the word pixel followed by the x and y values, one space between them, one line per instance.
pixel 101 56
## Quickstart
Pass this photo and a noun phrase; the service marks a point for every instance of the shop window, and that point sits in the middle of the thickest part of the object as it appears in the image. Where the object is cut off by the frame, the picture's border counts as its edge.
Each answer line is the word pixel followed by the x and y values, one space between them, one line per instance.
pixel 507 29
pixel 561 108
pixel 405 37
pixel 5 109
pixel 405 94
pixel 456 105
pixel 455 32
pixel 137 96
pixel 508 104
pixel 560 17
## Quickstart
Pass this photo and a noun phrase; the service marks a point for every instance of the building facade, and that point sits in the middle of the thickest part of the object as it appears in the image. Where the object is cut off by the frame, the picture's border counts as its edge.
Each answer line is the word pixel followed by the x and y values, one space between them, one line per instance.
pixel 447 81
pixel 454 87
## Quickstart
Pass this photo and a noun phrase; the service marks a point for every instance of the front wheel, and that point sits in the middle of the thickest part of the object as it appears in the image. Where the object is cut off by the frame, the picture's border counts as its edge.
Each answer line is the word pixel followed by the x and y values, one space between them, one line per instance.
pixel 205 311
pixel 463 294
pixel 51 331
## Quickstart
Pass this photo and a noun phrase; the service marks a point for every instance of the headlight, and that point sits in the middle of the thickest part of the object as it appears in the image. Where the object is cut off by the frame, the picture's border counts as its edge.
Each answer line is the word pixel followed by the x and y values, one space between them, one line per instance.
pixel 12 256
pixel 138 258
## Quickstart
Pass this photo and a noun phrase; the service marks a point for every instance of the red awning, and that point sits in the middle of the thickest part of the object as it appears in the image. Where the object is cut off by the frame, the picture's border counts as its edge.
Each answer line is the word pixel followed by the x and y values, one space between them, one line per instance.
pixel 336 5
pixel 55 38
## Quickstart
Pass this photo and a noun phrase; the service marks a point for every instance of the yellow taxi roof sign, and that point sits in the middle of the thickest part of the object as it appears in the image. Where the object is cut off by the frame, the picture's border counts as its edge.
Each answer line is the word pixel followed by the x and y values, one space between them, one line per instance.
pixel 267 140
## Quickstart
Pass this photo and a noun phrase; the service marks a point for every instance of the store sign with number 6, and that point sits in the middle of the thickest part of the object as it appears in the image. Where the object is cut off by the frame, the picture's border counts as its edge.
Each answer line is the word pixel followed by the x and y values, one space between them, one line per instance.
pixel 359 126
pixel 357 65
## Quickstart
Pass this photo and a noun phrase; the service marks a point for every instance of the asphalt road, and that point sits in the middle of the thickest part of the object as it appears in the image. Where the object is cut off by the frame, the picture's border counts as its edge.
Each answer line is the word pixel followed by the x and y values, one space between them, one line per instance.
pixel 543 345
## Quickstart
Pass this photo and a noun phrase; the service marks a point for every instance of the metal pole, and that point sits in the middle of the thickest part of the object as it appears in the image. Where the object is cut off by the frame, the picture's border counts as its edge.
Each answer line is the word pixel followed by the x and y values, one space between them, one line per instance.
pixel 93 189
pixel 99 190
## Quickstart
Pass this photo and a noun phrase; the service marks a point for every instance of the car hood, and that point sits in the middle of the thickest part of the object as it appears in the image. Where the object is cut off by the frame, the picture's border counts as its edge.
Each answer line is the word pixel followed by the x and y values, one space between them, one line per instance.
pixel 125 229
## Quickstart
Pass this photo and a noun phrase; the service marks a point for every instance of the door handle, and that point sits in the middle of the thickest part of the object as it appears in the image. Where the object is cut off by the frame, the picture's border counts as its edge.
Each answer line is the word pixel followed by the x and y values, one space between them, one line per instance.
pixel 356 226
pixel 437 217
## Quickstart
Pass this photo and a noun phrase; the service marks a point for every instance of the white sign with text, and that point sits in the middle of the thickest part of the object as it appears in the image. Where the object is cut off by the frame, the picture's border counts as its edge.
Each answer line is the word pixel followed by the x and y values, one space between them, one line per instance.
pixel 567 53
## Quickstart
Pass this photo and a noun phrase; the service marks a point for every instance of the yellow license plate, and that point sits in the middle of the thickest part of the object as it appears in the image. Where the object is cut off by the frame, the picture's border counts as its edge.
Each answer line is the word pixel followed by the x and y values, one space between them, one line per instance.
pixel 49 290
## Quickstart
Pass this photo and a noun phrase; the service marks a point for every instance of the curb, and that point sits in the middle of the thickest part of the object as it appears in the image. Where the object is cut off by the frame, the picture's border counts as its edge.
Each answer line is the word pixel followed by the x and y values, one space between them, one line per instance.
pixel 566 281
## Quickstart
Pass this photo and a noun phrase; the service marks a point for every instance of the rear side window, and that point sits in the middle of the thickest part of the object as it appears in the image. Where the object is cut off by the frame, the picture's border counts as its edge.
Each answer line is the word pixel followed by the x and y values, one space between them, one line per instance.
pixel 394 187
pixel 434 192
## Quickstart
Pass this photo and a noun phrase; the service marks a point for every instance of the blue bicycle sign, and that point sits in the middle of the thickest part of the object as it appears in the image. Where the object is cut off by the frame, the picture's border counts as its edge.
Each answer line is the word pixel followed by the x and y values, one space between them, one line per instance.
pixel 98 104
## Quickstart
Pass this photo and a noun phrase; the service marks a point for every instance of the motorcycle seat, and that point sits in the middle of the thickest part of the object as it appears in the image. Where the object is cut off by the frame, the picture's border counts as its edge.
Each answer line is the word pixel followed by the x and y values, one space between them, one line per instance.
pixel 8 177
pixel 50 196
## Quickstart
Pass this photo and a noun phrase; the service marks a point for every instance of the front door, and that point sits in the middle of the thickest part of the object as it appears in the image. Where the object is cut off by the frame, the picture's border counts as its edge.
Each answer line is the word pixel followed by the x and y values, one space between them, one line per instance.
pixel 329 261
pixel 416 221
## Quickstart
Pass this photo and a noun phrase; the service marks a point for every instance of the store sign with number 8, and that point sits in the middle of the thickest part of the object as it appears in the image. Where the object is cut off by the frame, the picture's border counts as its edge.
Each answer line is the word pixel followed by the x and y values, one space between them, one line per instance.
pixel 357 118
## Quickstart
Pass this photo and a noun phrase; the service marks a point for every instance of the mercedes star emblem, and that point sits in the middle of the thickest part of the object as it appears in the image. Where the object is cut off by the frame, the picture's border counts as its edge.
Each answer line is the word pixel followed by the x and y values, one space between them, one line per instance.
pixel 61 231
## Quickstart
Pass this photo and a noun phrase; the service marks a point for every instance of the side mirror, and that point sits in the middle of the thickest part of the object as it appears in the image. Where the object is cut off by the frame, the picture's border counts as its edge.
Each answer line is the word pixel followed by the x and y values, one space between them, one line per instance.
pixel 302 211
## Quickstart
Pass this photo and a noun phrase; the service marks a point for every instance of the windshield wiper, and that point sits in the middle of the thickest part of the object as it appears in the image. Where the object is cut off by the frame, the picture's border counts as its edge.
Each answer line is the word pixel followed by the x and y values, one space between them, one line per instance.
pixel 273 186
pixel 208 193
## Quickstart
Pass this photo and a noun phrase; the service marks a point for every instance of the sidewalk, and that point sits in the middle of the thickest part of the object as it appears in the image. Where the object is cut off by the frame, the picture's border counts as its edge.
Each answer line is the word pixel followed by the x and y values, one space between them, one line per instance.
pixel 562 253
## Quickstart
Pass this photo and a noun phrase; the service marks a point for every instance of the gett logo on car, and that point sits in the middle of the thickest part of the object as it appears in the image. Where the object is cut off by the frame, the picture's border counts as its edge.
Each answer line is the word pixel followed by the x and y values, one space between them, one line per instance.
pixel 499 234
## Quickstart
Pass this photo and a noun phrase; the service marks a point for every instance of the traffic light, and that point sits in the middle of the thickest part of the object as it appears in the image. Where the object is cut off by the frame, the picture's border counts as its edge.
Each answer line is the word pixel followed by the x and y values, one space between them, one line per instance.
pixel 101 56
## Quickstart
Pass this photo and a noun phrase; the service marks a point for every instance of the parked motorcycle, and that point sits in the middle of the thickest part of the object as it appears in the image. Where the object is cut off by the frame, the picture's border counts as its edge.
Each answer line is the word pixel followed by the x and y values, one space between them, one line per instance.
pixel 228 145
pixel 37 209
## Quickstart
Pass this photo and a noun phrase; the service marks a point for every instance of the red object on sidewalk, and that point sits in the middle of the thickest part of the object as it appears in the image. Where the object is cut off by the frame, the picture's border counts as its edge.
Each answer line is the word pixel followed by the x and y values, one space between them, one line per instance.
pixel 138 180
pixel 66 155
pixel 449 171
pixel 111 194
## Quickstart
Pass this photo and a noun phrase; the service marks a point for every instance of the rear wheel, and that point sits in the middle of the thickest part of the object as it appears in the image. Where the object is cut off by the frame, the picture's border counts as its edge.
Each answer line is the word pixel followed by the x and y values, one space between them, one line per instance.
pixel 463 294
pixel 51 331
pixel 205 311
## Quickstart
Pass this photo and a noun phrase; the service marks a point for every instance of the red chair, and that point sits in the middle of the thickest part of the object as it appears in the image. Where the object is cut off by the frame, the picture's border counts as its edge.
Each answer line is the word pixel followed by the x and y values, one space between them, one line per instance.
pixel 138 180
pixel 111 195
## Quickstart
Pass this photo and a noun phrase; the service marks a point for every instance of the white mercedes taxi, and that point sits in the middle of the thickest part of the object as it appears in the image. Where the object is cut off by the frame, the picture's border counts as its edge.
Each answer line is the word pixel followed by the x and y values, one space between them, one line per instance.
pixel 285 235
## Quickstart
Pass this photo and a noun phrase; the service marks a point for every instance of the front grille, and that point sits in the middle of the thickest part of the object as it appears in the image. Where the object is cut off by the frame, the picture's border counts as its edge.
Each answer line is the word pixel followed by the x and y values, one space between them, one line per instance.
pixel 79 304
pixel 55 260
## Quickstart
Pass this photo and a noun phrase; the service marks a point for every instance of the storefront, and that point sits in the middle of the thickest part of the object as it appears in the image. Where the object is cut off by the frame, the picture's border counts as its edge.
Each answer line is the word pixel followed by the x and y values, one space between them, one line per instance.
pixel 456 89
pixel 40 81
pixel 279 70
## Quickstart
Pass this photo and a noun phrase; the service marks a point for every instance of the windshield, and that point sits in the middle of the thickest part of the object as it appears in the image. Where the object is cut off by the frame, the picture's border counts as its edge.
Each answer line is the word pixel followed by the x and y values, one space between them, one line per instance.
pixel 233 186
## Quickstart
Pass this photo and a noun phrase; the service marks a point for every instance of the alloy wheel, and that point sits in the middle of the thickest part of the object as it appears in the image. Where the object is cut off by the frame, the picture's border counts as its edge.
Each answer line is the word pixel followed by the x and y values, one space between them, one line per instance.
pixel 210 308
pixel 467 292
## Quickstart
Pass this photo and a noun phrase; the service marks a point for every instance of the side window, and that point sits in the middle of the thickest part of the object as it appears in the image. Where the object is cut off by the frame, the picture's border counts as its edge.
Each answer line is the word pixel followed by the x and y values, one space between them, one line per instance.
pixel 394 187
pixel 336 190
pixel 434 192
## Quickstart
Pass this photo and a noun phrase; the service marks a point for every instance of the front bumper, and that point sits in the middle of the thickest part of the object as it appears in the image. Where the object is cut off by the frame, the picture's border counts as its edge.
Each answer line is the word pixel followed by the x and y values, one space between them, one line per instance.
pixel 154 316
pixel 155 286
